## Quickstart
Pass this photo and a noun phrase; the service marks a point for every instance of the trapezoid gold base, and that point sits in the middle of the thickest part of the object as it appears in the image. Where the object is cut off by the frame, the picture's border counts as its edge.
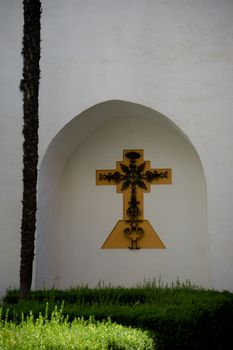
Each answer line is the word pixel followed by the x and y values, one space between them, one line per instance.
pixel 117 239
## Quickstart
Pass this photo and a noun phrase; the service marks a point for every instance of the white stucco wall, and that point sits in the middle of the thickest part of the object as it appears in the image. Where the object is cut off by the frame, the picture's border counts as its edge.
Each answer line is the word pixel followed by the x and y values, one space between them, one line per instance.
pixel 10 142
pixel 74 224
pixel 174 57
pixel 177 212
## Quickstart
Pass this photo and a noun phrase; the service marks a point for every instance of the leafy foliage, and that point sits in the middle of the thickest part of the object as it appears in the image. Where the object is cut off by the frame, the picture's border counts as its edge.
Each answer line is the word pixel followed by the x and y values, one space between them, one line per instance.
pixel 57 333
pixel 178 317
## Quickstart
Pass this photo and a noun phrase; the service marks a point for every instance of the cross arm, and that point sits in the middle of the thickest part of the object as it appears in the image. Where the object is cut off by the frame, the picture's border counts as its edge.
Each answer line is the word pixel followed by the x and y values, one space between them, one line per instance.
pixel 158 176
pixel 108 177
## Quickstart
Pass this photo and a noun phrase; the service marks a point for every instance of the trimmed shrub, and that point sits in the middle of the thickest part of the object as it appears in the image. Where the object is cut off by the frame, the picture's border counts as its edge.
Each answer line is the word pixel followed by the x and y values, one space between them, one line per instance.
pixel 57 333
pixel 181 317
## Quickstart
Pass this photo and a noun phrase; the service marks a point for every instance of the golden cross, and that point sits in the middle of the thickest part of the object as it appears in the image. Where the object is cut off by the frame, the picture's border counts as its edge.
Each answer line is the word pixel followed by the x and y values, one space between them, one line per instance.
pixel 133 177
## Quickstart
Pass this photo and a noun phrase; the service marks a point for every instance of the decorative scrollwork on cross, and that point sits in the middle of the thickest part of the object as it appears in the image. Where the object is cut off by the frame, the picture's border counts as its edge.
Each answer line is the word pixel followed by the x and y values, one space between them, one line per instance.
pixel 132 175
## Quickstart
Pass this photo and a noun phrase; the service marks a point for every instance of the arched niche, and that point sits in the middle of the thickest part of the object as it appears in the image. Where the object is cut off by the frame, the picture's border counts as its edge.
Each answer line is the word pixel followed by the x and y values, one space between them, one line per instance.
pixel 75 216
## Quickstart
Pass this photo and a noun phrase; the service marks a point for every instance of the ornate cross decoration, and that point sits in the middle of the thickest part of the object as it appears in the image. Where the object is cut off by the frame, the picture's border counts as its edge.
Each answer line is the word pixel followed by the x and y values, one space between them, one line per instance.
pixel 133 177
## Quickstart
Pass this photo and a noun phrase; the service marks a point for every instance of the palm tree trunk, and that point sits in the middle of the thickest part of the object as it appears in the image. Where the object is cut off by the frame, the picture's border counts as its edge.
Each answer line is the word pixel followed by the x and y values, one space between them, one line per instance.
pixel 30 88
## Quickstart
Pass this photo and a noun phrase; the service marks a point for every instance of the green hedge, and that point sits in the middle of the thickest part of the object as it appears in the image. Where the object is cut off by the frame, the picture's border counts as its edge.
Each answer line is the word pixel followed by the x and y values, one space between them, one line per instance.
pixel 58 333
pixel 178 318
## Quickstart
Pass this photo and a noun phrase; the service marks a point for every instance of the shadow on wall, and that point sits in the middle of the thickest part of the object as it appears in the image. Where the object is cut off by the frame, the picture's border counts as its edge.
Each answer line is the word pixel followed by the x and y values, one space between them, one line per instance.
pixel 67 196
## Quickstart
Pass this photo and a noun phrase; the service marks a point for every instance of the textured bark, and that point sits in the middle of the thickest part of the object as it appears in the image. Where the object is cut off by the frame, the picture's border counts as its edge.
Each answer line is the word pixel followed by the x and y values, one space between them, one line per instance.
pixel 30 88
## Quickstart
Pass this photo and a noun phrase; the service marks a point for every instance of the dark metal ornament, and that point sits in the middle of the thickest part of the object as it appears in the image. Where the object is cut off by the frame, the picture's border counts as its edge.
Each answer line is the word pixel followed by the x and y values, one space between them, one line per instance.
pixel 133 176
